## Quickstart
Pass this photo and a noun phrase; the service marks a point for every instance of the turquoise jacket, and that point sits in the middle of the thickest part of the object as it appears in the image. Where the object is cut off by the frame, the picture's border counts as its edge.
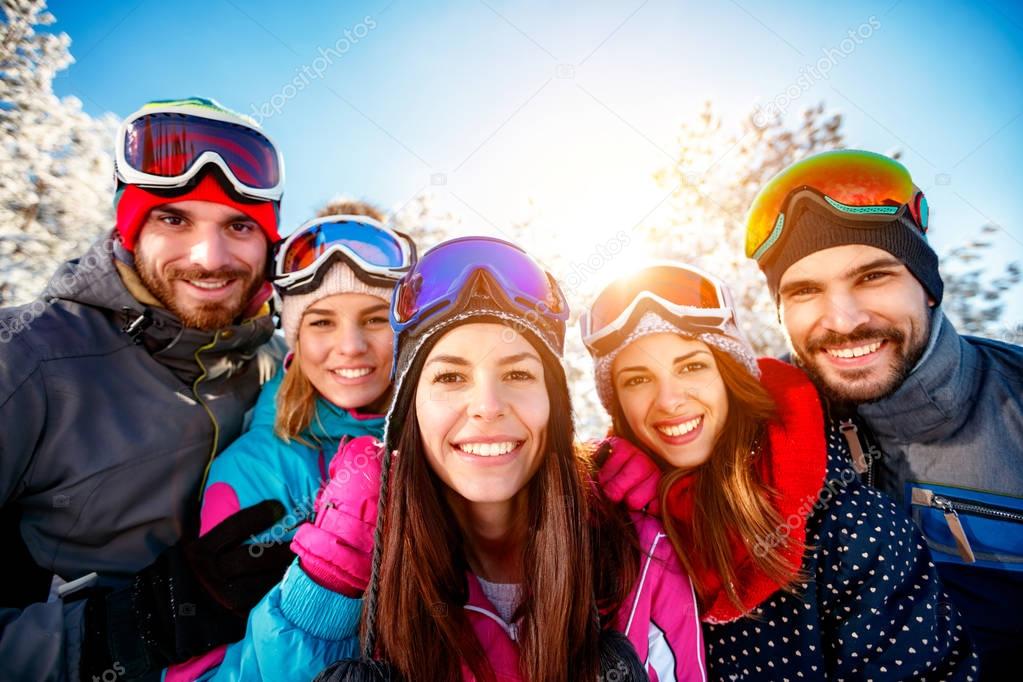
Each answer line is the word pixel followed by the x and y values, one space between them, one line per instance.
pixel 260 466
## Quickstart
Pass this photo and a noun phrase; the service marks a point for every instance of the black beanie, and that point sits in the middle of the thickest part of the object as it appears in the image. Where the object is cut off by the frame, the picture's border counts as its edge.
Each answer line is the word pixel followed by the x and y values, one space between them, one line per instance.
pixel 813 228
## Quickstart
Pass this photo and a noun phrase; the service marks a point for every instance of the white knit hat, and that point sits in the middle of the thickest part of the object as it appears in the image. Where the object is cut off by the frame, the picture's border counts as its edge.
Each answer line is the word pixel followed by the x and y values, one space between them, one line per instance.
pixel 340 279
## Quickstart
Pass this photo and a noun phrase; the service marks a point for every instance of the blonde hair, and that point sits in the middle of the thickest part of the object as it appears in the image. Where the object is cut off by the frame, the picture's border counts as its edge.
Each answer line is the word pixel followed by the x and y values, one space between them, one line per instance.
pixel 296 402
pixel 346 206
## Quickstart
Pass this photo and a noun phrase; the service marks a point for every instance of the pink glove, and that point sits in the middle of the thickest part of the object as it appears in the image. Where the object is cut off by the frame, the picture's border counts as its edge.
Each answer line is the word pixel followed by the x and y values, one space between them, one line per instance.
pixel 628 475
pixel 337 549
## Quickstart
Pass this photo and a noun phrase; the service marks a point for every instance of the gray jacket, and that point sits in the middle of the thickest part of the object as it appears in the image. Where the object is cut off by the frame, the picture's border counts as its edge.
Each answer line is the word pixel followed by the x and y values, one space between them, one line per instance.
pixel 104 443
pixel 951 452
pixel 956 419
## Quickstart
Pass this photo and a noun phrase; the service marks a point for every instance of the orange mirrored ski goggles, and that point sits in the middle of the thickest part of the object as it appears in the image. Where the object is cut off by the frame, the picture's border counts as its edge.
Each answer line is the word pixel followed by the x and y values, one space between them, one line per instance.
pixel 852 183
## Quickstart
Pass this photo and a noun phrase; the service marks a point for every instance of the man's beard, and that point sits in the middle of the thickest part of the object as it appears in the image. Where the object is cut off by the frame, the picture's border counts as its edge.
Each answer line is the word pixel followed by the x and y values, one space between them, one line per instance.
pixel 850 390
pixel 205 316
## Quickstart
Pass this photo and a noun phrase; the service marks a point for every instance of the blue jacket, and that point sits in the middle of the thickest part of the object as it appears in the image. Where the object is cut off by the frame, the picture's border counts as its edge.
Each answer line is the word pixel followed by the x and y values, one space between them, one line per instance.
pixel 260 466
pixel 950 450
pixel 296 631
pixel 300 628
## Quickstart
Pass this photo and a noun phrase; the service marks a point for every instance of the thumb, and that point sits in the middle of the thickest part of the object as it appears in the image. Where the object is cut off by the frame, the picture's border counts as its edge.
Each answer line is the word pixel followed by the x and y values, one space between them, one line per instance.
pixel 242 524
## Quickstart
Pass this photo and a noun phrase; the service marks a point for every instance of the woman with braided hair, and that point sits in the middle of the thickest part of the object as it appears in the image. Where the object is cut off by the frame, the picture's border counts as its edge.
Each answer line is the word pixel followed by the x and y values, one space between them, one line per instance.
pixel 495 556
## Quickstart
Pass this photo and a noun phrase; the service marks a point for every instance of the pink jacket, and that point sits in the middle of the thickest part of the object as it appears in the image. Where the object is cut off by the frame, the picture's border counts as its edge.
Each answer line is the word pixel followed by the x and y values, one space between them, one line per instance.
pixel 659 617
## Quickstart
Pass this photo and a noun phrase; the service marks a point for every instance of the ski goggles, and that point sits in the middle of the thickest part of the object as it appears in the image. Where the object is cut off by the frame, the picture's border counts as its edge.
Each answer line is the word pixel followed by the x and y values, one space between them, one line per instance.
pixel 683 295
pixel 851 183
pixel 378 256
pixel 166 144
pixel 437 285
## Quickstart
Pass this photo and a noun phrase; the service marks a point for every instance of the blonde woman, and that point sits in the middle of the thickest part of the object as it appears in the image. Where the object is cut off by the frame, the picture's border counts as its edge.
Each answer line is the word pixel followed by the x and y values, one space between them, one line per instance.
pixel 334 276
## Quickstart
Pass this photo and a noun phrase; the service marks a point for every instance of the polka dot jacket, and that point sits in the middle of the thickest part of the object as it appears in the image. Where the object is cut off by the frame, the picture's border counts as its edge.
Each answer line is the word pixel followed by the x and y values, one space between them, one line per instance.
pixel 871 606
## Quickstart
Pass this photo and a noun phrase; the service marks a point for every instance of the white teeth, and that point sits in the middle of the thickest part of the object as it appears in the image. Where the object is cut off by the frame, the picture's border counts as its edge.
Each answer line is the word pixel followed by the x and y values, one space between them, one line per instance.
pixel 680 429
pixel 487 449
pixel 353 373
pixel 859 351
pixel 208 284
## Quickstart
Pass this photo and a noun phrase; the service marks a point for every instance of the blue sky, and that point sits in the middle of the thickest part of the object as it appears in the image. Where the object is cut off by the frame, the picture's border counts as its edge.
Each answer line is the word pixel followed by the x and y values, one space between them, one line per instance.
pixel 523 108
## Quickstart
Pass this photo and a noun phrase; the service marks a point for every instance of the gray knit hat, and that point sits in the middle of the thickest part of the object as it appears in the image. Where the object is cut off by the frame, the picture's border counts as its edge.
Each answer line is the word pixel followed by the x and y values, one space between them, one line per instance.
pixel 652 323
pixel 340 279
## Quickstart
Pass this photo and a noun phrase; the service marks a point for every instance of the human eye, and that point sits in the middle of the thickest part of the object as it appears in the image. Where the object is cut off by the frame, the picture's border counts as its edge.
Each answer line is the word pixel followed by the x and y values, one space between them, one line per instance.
pixel 172 220
pixel 806 291
pixel 634 380
pixel 694 366
pixel 320 322
pixel 375 321
pixel 520 375
pixel 243 228
pixel 876 276
pixel 448 377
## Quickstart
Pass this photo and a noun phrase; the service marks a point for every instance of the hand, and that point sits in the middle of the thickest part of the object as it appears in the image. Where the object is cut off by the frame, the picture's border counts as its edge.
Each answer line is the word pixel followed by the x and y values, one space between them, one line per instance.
pixel 337 549
pixel 194 597
pixel 235 572
pixel 627 475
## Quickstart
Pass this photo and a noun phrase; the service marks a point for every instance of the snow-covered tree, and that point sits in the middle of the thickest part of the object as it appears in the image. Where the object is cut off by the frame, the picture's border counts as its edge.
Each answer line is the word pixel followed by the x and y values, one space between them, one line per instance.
pixel 56 168
pixel 973 300
pixel 426 222
pixel 718 171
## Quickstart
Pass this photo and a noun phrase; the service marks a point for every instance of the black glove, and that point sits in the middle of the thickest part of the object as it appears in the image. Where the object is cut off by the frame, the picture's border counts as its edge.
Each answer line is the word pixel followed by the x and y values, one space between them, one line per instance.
pixel 238 574
pixel 194 597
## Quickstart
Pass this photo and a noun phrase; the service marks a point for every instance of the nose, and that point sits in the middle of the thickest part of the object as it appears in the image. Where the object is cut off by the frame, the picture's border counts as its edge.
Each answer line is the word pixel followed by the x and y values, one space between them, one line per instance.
pixel 351 338
pixel 487 402
pixel 210 251
pixel 671 393
pixel 843 313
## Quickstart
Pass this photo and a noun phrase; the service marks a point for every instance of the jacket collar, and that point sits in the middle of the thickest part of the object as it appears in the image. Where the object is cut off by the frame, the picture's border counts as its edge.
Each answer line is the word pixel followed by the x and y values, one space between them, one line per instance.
pixel 928 406
pixel 330 422
pixel 95 280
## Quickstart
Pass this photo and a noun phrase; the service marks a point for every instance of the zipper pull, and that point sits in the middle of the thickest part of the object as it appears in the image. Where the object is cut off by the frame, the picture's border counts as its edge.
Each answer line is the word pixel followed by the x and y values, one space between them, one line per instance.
pixel 927 498
pixel 849 430
pixel 135 328
pixel 954 525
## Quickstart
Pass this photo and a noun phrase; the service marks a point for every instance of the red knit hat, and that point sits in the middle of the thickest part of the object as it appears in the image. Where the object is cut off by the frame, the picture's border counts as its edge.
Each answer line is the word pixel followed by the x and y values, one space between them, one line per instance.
pixel 135 203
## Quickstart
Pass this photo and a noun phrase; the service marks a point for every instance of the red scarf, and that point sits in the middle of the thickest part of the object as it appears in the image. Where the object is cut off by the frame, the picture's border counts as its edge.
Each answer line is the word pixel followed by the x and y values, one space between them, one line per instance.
pixel 792 462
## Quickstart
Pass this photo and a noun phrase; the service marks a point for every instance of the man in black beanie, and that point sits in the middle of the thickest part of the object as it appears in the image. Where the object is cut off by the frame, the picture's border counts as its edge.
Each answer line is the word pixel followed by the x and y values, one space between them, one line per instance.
pixel 933 418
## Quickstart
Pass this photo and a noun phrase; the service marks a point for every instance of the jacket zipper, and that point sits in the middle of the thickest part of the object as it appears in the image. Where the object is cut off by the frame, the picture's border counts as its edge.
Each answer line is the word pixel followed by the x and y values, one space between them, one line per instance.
pixel 861 463
pixel 926 498
pixel 950 508
pixel 209 412
pixel 956 505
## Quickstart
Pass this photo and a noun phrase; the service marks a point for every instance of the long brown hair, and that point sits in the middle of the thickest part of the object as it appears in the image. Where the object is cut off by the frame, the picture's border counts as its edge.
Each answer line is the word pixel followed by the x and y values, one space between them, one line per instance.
pixel 730 501
pixel 421 625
